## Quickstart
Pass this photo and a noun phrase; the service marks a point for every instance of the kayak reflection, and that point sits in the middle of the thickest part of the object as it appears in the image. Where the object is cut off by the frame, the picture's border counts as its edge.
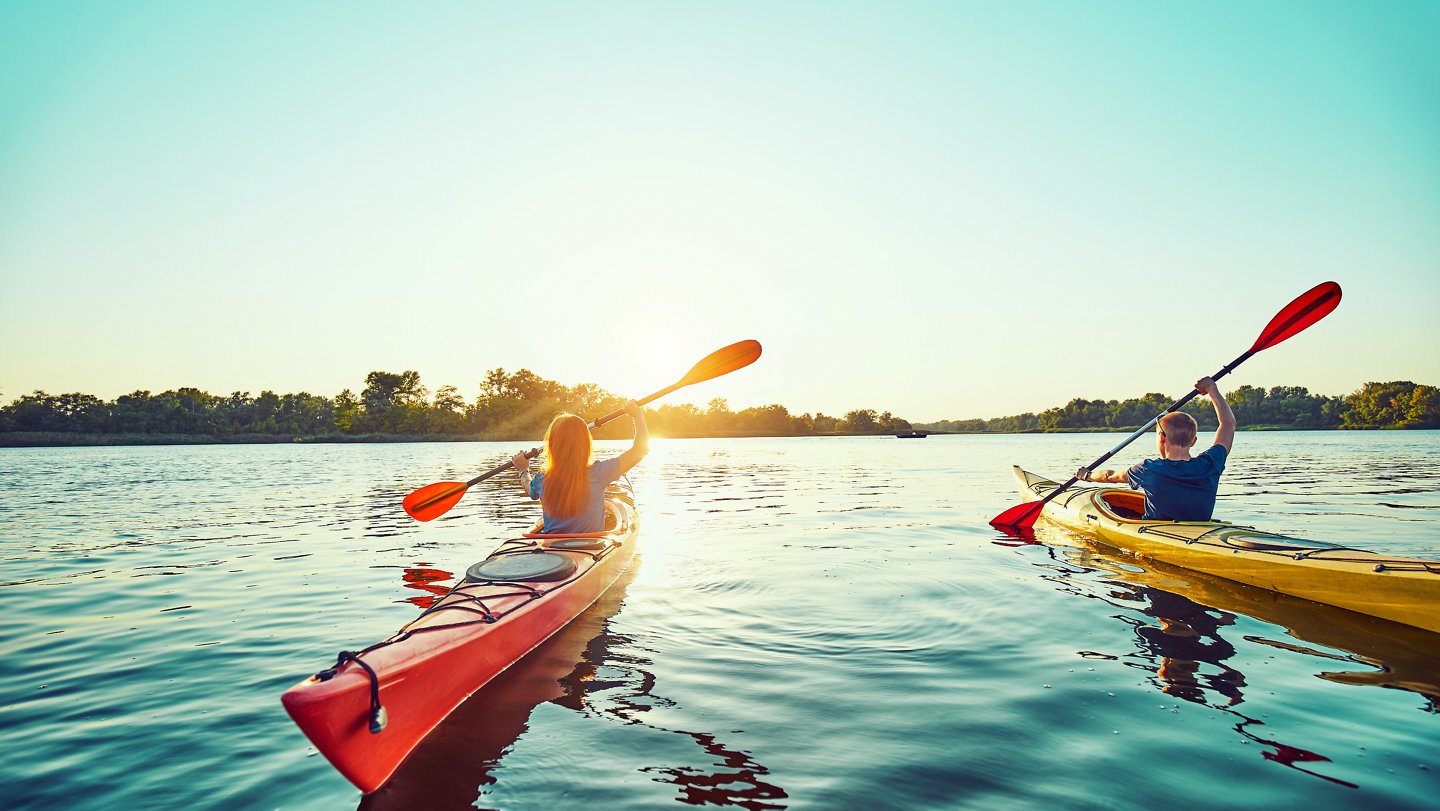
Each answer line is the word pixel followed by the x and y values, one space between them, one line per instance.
pixel 1196 607
pixel 459 758
pixel 1181 620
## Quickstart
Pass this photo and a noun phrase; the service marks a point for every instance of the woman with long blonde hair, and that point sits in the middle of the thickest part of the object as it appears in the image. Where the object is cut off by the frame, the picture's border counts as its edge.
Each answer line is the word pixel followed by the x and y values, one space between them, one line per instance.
pixel 570 488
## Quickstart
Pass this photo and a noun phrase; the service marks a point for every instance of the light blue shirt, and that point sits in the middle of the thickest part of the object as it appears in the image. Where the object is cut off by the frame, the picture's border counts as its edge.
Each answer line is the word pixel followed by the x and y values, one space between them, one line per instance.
pixel 592 517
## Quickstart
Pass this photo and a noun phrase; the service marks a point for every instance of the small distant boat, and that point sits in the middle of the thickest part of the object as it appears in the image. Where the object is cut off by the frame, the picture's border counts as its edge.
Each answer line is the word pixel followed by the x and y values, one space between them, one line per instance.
pixel 912 434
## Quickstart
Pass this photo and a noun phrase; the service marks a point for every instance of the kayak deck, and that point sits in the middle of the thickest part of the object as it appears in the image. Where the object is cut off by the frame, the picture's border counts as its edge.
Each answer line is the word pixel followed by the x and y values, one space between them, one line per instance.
pixel 367 712
pixel 1405 590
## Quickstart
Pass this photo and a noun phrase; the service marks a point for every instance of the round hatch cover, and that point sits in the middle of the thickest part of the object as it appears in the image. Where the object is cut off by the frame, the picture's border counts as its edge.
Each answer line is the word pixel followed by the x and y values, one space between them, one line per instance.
pixel 542 566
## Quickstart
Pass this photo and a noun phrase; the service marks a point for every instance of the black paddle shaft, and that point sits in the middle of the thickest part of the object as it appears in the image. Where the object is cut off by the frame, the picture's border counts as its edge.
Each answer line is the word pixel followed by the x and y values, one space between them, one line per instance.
pixel 1040 505
pixel 534 452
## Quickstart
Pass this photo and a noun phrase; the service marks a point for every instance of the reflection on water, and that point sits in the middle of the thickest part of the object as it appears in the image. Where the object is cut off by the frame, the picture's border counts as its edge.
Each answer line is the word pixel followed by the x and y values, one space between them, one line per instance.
pixel 1183 643
pixel 731 776
pixel 427 579
pixel 1389 654
pixel 1186 634
pixel 452 767
pixel 1284 754
pixel 818 623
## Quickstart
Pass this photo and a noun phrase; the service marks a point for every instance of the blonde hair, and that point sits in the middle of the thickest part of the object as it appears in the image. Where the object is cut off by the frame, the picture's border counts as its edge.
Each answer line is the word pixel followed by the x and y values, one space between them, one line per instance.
pixel 567 458
pixel 1179 428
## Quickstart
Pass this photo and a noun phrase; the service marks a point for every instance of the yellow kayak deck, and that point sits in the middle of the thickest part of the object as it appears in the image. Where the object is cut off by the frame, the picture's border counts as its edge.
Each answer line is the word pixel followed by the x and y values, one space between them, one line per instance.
pixel 1405 590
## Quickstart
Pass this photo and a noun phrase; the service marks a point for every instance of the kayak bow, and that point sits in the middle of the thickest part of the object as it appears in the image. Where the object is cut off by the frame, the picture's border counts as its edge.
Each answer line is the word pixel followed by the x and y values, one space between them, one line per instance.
pixel 367 712
pixel 1405 590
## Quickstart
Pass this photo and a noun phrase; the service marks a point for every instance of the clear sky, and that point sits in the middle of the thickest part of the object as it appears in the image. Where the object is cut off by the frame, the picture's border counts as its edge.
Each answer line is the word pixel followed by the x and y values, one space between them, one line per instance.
pixel 943 210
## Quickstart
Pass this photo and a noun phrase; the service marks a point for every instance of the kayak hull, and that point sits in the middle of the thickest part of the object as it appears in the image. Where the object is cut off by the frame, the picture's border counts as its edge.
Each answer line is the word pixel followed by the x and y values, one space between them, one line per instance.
pixel 1404 590
pixel 464 640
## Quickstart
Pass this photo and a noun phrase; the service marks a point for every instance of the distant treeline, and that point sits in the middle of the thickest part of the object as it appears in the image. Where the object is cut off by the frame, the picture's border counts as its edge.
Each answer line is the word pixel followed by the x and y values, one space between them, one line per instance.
pixel 395 406
pixel 392 405
pixel 1397 404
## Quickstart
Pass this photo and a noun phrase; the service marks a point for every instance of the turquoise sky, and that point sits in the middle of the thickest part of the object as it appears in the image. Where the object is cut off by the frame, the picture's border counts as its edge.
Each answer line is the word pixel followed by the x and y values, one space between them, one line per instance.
pixel 938 209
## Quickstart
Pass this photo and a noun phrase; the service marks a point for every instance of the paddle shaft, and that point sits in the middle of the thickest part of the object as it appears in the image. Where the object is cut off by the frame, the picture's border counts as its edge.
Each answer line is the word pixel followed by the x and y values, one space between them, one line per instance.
pixel 530 454
pixel 1146 427
pixel 618 413
pixel 443 495
pixel 534 452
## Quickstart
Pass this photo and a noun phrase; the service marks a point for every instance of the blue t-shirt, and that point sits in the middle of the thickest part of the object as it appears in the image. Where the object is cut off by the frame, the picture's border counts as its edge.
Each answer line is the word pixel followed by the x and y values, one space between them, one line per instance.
pixel 1179 490
pixel 592 517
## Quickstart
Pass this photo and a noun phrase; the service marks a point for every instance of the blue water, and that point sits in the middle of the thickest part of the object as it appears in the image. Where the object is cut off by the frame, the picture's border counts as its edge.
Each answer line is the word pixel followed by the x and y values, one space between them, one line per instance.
pixel 815 622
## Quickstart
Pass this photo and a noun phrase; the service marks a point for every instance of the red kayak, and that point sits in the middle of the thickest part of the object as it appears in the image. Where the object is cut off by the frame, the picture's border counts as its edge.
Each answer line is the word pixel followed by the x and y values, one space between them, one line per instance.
pixel 367 712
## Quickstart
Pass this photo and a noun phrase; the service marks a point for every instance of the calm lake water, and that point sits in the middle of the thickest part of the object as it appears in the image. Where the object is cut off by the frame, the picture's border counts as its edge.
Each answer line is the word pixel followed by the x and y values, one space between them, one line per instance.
pixel 818 623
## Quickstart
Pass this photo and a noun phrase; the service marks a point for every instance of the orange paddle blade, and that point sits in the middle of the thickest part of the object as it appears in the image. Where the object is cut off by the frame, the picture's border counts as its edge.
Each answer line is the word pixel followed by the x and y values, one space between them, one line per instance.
pixel 434 500
pixel 722 362
pixel 1311 306
pixel 1021 516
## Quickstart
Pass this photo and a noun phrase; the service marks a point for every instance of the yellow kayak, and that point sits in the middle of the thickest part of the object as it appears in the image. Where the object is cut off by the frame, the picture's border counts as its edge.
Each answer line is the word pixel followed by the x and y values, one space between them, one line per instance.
pixel 1403 590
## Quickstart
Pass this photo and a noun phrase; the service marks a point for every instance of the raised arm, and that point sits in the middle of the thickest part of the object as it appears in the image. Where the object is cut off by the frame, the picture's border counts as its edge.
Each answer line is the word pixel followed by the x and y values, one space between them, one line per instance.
pixel 637 451
pixel 1225 434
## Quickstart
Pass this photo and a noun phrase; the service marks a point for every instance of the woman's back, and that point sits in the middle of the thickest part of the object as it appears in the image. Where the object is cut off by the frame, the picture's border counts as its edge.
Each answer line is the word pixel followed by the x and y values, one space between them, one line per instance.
pixel 591 517
pixel 571 488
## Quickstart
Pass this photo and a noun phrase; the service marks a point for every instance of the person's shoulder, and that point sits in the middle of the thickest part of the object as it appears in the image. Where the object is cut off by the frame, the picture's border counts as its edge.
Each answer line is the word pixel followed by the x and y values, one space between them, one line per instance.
pixel 1215 455
pixel 1139 473
pixel 1217 452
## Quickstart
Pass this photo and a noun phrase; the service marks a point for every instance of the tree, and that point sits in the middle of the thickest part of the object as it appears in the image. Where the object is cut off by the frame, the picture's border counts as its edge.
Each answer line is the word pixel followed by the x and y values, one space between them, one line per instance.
pixel 1423 408
pixel 1378 405
pixel 447 412
pixel 864 421
pixel 392 402
pixel 718 415
pixel 64 413
pixel 772 420
pixel 347 411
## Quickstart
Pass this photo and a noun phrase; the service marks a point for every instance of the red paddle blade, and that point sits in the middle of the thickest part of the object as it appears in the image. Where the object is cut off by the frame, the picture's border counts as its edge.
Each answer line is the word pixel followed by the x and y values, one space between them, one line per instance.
pixel 722 362
pixel 1021 516
pixel 434 500
pixel 1312 305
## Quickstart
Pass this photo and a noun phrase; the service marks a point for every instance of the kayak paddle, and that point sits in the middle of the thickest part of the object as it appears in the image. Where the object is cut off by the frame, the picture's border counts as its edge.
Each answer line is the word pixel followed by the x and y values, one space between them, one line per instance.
pixel 1312 305
pixel 434 500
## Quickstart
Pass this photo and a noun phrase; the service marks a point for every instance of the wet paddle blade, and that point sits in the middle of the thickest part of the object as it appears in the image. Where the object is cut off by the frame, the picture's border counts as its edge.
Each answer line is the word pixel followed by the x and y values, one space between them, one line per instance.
pixel 434 500
pixel 1312 305
pixel 723 362
pixel 1021 516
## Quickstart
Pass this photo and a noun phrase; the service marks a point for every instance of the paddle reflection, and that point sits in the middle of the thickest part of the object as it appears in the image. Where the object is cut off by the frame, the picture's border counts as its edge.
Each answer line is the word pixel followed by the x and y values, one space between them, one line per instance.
pixel 1181 638
pixel 1385 654
pixel 454 764
pixel 426 579
pixel 1284 754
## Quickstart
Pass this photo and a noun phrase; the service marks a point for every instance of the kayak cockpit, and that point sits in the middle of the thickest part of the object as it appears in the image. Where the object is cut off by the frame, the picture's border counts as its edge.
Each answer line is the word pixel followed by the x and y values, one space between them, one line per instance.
pixel 1122 505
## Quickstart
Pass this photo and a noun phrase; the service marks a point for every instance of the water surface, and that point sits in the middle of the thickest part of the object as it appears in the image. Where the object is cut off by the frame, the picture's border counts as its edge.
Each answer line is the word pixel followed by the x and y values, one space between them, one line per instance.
pixel 813 622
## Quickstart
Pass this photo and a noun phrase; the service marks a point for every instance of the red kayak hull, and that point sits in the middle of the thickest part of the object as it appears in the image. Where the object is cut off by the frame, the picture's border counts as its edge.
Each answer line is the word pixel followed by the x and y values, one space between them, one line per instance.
pixel 438 661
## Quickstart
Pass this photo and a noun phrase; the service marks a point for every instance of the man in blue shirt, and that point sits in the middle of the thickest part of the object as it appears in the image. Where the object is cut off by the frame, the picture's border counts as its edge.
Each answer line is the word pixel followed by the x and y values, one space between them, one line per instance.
pixel 1178 486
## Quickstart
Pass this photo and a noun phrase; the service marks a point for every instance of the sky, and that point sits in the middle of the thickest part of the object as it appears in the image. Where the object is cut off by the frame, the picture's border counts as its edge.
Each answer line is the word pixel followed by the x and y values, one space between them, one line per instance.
pixel 942 210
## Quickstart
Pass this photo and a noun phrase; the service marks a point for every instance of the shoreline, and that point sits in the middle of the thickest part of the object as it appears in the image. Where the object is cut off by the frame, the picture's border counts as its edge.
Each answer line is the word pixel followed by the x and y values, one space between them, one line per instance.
pixel 45 439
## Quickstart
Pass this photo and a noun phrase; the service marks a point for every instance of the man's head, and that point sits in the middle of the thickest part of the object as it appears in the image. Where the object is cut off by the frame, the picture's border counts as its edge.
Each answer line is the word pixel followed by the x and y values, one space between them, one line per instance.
pixel 1176 429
